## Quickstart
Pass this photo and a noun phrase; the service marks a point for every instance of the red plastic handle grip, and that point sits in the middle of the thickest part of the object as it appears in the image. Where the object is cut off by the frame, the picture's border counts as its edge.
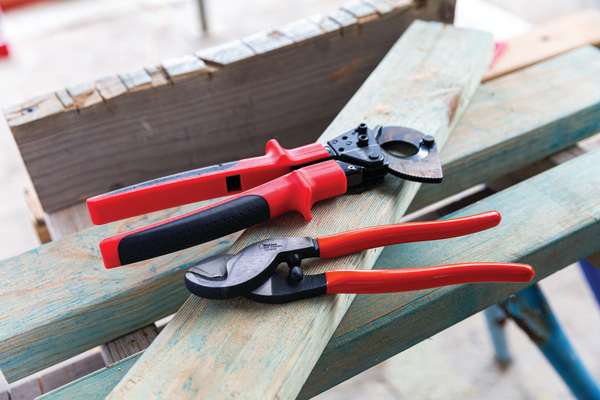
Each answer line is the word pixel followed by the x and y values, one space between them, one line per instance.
pixel 403 280
pixel 386 235
pixel 202 184
pixel 296 191
pixel 299 190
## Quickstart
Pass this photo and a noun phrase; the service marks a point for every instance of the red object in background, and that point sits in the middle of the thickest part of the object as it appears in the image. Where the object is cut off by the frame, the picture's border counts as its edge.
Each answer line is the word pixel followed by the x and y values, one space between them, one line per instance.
pixel 499 49
pixel 6 4
pixel 3 45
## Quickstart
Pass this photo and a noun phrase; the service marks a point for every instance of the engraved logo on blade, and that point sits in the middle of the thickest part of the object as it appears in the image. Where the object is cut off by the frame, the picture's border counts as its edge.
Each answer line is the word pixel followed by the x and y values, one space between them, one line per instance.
pixel 269 246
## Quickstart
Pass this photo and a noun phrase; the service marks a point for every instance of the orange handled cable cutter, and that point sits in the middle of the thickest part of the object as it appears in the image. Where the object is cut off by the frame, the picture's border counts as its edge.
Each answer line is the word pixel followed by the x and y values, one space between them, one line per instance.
pixel 252 272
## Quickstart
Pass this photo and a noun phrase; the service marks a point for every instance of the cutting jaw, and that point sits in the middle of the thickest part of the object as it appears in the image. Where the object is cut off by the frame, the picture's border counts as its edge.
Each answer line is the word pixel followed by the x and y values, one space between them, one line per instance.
pixel 230 275
pixel 411 155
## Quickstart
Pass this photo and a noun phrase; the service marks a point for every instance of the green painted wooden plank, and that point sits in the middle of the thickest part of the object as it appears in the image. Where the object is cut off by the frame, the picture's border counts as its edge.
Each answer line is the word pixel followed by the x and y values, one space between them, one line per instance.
pixel 370 319
pixel 549 222
pixel 544 108
pixel 109 312
pixel 239 348
pixel 95 386
pixel 58 300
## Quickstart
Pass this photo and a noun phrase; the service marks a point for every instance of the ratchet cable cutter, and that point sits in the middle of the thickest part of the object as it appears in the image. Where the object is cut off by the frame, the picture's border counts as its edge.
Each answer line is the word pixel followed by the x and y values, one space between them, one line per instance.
pixel 263 188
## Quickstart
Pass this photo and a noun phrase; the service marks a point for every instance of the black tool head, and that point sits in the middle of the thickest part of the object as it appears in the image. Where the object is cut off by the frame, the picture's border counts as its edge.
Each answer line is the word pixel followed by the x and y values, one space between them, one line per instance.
pixel 279 289
pixel 412 155
pixel 231 275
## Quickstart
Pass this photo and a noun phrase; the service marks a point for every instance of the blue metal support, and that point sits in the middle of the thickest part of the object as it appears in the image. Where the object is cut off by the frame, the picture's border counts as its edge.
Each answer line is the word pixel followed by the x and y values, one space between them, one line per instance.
pixel 593 277
pixel 496 319
pixel 531 312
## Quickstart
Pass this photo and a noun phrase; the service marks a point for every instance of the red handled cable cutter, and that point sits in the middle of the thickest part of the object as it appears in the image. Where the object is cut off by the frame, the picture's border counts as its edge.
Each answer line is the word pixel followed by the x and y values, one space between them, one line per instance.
pixel 252 272
pixel 263 188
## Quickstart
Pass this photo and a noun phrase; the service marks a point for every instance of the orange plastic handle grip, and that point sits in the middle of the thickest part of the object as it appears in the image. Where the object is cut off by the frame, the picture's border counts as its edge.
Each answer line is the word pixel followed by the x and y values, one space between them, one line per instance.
pixel 386 235
pixel 404 280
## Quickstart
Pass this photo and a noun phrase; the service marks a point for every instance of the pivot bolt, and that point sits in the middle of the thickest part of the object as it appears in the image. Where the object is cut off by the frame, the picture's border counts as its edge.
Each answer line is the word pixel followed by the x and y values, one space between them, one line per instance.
pixel 373 156
pixel 428 141
pixel 294 260
pixel 296 274
pixel 362 129
pixel 363 140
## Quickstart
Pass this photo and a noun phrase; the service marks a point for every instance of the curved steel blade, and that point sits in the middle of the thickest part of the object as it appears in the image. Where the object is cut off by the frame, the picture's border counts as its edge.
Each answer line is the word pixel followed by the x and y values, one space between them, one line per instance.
pixel 411 155
pixel 232 275
pixel 214 267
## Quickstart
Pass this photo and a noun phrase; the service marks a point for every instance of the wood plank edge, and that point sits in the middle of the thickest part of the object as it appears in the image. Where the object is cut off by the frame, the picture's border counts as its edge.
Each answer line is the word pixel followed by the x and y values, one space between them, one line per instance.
pixel 87 98
pixel 101 380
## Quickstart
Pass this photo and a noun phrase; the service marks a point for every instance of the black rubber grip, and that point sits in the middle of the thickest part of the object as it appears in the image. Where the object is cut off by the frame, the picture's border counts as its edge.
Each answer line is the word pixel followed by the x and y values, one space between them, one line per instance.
pixel 204 226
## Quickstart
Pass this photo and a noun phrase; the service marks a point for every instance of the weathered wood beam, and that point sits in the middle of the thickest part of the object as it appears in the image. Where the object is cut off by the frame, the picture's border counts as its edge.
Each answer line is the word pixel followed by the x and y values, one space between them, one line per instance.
pixel 367 320
pixel 95 386
pixel 57 378
pixel 547 40
pixel 128 345
pixel 130 298
pixel 71 303
pixel 68 220
pixel 36 213
pixel 241 348
pixel 220 104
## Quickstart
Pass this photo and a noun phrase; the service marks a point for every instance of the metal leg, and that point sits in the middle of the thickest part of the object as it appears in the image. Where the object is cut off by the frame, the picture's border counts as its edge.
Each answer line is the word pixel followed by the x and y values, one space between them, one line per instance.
pixel 531 312
pixel 593 277
pixel 496 319
pixel 202 15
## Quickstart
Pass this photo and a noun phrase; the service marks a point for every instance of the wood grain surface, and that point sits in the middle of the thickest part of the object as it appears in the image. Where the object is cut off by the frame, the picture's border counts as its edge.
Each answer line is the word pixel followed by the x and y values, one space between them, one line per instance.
pixel 218 105
pixel 95 386
pixel 128 345
pixel 548 40
pixel 60 300
pixel 238 348
pixel 363 337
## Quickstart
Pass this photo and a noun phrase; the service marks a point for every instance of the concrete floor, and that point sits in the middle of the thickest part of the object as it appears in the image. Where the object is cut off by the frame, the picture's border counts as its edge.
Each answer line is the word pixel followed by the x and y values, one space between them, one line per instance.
pixel 58 43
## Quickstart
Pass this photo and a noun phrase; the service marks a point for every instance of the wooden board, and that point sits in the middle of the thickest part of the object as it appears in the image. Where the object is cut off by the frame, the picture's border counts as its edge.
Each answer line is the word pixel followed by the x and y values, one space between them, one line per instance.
pixel 68 220
pixel 96 385
pixel 222 104
pixel 66 302
pixel 548 40
pixel 412 317
pixel 128 345
pixel 241 348
pixel 116 305
pixel 36 213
